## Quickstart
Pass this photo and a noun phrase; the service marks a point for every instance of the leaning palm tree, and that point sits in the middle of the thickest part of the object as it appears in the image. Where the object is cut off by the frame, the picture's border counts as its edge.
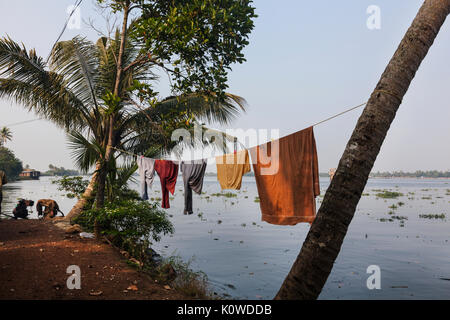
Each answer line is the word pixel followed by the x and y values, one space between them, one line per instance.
pixel 75 91
pixel 5 136
pixel 323 243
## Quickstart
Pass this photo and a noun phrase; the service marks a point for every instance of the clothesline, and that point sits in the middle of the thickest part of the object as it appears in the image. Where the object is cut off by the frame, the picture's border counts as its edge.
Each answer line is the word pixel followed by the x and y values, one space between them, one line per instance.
pixel 137 155
pixel 339 114
pixel 316 124
pixel 22 122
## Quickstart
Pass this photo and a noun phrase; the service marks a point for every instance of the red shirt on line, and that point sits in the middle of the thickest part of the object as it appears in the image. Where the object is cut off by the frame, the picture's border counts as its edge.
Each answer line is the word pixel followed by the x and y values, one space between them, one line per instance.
pixel 168 173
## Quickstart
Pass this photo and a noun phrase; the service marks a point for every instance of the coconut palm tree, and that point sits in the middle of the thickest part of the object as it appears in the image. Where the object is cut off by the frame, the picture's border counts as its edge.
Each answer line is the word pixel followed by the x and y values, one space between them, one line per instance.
pixel 75 91
pixel 5 136
pixel 323 242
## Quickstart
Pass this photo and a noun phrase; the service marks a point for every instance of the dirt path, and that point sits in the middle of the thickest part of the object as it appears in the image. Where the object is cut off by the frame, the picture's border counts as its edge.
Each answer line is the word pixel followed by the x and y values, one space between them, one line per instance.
pixel 34 256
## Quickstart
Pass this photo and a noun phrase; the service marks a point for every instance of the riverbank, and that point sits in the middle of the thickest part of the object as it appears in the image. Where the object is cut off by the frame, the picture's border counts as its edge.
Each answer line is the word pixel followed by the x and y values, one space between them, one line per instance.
pixel 34 256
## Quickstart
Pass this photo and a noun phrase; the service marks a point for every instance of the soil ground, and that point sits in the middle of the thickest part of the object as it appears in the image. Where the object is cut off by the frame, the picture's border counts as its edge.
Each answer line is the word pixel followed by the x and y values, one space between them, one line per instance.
pixel 35 254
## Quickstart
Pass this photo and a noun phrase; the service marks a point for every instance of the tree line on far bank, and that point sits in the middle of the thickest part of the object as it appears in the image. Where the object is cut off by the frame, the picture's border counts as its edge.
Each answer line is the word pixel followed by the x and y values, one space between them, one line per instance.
pixel 55 171
pixel 416 174
pixel 10 164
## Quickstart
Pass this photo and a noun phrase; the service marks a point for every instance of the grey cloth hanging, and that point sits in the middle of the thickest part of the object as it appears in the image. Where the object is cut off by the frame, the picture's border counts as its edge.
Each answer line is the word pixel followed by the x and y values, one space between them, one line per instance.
pixel 193 174
pixel 146 174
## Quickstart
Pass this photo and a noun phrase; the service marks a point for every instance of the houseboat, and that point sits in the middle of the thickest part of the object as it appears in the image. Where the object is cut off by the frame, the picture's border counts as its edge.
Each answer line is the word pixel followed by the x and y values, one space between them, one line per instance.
pixel 29 174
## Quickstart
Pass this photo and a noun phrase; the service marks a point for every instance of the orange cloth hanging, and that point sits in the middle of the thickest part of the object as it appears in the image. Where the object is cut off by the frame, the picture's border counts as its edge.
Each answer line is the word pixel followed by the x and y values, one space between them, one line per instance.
pixel 230 169
pixel 287 178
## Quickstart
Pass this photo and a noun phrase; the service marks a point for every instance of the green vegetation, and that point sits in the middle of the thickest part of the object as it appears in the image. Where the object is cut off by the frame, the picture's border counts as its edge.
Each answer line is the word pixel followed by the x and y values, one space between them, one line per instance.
pixel 74 186
pixel 10 164
pixel 55 171
pixel 129 225
pixel 432 216
pixel 393 218
pixel 192 283
pixel 389 194
pixel 5 136
pixel 417 174
pixel 201 39
pixel 401 218
pixel 226 195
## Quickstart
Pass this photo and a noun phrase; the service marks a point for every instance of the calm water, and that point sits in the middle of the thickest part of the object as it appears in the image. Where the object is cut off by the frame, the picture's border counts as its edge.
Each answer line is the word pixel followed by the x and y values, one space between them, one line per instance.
pixel 248 259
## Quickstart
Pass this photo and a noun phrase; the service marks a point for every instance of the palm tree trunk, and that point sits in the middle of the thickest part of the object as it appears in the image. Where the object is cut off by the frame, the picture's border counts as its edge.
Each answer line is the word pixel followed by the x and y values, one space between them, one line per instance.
pixel 323 242
pixel 87 195
pixel 109 150
pixel 101 184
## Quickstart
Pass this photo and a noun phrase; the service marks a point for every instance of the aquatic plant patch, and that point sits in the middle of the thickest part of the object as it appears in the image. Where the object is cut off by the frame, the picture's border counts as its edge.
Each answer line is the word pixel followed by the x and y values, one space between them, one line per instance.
pixel 432 216
pixel 226 195
pixel 389 194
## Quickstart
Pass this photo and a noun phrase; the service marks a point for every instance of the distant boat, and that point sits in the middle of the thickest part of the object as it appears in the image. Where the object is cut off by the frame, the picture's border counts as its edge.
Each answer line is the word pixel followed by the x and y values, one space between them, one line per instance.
pixel 29 174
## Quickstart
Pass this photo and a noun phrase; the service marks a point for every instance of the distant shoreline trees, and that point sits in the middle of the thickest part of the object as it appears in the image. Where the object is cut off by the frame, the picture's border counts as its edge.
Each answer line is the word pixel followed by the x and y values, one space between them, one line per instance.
pixel 416 174
pixel 55 171
pixel 10 164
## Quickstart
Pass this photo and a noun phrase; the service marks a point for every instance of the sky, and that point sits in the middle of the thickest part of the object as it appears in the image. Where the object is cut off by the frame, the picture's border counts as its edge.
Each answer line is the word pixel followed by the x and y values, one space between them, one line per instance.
pixel 306 61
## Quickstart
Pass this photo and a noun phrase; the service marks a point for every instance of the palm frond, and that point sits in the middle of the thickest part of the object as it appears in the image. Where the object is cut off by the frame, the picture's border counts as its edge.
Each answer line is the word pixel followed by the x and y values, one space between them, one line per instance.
pixel 25 79
pixel 77 61
pixel 203 106
pixel 125 173
pixel 53 103
pixel 108 51
pixel 85 152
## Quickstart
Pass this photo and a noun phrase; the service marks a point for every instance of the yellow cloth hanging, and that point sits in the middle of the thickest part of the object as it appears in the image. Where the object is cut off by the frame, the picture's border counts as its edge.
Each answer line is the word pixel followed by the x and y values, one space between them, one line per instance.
pixel 230 169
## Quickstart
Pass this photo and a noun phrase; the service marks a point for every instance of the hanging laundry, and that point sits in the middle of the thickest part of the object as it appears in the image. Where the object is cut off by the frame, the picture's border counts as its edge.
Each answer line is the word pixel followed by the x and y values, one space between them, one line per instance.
pixel 230 169
pixel 193 173
pixel 168 172
pixel 289 182
pixel 146 173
